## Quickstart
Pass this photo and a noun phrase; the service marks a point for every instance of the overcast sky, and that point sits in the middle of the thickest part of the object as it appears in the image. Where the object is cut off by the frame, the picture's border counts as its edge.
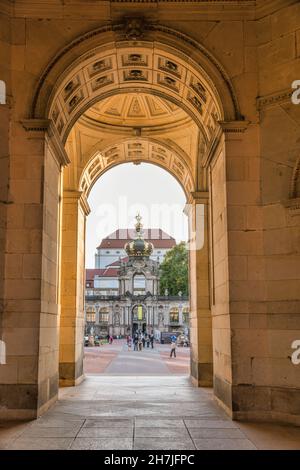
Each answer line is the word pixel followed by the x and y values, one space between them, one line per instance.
pixel 124 191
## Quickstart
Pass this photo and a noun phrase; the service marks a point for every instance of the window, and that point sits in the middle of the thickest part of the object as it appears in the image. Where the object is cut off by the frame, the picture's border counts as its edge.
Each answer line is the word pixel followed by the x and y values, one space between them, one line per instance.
pixel 139 313
pixel 185 315
pixel 139 284
pixel 174 315
pixel 90 315
pixel 103 315
pixel 2 92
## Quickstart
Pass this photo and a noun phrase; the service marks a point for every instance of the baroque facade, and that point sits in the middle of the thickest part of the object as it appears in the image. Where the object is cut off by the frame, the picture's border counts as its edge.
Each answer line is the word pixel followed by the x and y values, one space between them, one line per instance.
pixel 124 296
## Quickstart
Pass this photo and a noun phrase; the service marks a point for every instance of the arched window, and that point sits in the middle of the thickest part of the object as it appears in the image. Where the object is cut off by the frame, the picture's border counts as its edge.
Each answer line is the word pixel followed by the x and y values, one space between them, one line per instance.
pixel 139 313
pixel 90 314
pixel 103 315
pixel 139 284
pixel 185 315
pixel 174 315
pixel 2 92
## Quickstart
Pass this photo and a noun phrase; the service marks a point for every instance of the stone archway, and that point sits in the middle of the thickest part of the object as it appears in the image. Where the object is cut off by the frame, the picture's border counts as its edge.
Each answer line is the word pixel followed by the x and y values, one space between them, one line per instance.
pixel 123 67
pixel 171 68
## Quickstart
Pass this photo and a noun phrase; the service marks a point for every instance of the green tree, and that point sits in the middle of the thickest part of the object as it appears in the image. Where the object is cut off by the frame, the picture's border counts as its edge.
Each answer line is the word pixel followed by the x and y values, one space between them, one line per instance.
pixel 174 271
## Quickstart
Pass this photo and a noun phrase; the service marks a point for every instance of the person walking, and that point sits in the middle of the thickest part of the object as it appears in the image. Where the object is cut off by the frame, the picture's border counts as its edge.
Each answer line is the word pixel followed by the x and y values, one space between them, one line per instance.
pixel 173 348
pixel 152 340
pixel 140 343
pixel 135 343
pixel 143 340
pixel 148 341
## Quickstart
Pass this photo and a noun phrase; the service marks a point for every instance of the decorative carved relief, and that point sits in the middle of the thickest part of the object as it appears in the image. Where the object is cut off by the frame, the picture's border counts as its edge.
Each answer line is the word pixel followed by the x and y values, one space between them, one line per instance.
pixel 169 66
pixel 167 81
pixel 134 28
pixel 75 101
pixel 134 59
pixel 135 74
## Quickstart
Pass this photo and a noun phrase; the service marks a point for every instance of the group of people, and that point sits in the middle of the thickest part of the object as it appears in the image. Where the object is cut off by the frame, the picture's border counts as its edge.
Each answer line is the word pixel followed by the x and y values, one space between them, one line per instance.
pixel 140 340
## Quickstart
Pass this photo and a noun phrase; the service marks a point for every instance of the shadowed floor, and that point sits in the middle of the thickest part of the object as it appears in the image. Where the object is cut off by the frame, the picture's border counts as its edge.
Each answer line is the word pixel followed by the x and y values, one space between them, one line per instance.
pixel 142 412
pixel 140 400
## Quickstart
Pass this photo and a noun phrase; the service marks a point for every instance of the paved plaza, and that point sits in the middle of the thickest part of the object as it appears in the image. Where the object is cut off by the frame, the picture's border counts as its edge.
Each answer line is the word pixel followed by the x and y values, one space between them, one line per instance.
pixel 139 400
pixel 116 359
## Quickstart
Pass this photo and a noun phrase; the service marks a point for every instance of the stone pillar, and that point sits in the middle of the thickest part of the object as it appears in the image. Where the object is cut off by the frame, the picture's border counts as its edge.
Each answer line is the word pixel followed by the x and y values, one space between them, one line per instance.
pixel 180 314
pixel 75 209
pixel 256 324
pixel 30 314
pixel 200 314
pixel 97 319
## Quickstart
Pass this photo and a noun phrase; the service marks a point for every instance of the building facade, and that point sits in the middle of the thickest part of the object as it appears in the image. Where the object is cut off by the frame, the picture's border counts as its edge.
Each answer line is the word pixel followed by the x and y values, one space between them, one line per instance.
pixel 124 296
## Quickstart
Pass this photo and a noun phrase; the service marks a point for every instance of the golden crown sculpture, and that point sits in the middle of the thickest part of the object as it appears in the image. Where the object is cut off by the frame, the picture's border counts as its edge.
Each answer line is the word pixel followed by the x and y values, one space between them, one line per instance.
pixel 139 247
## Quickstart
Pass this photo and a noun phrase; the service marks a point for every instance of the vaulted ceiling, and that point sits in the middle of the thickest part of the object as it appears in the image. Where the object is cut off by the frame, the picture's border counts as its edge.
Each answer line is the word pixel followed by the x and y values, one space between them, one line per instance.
pixel 136 110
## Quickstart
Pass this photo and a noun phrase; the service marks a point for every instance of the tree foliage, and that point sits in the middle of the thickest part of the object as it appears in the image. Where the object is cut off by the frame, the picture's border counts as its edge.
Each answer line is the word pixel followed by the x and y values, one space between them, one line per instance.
pixel 174 271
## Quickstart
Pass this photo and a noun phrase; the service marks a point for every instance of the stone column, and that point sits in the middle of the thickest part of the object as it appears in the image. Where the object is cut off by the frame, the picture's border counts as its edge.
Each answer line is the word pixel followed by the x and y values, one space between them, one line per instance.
pixel 30 314
pixel 200 314
pixel 180 314
pixel 97 320
pixel 75 209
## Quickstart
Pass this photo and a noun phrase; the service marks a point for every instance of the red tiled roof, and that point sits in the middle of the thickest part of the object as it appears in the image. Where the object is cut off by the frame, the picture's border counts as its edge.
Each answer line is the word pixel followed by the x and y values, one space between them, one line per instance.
pixel 106 272
pixel 158 237
pixel 91 273
pixel 117 262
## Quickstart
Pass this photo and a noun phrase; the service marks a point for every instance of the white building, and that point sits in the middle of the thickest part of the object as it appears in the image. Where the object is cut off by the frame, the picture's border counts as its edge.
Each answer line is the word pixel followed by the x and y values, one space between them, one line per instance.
pixel 112 247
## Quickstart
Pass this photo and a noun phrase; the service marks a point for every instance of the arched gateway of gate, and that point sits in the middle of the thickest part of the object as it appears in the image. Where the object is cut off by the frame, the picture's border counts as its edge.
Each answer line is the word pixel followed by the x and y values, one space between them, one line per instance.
pixel 200 139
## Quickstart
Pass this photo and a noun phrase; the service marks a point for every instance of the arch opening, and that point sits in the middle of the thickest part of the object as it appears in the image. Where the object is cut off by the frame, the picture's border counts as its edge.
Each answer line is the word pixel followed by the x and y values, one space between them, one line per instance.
pixel 127 102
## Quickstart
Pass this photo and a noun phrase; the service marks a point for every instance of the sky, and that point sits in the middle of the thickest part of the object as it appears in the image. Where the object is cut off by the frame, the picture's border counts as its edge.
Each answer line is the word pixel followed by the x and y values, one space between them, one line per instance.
pixel 128 189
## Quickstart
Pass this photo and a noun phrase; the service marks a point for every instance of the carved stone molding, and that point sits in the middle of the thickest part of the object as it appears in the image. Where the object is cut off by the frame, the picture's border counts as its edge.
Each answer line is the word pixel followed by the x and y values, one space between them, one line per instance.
pixel 39 128
pixel 199 197
pixel 234 126
pixel 293 206
pixel 274 98
pixel 36 125
pixel 74 195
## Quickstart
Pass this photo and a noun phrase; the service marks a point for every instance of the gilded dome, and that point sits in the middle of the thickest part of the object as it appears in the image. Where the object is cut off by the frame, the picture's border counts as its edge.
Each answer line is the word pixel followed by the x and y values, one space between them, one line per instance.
pixel 139 247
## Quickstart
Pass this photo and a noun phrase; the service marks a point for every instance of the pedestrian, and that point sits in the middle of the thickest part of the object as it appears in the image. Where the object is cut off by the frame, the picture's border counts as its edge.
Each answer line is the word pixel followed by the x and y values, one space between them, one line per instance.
pixel 129 341
pixel 173 348
pixel 140 343
pixel 135 343
pixel 152 340
pixel 143 339
pixel 148 341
